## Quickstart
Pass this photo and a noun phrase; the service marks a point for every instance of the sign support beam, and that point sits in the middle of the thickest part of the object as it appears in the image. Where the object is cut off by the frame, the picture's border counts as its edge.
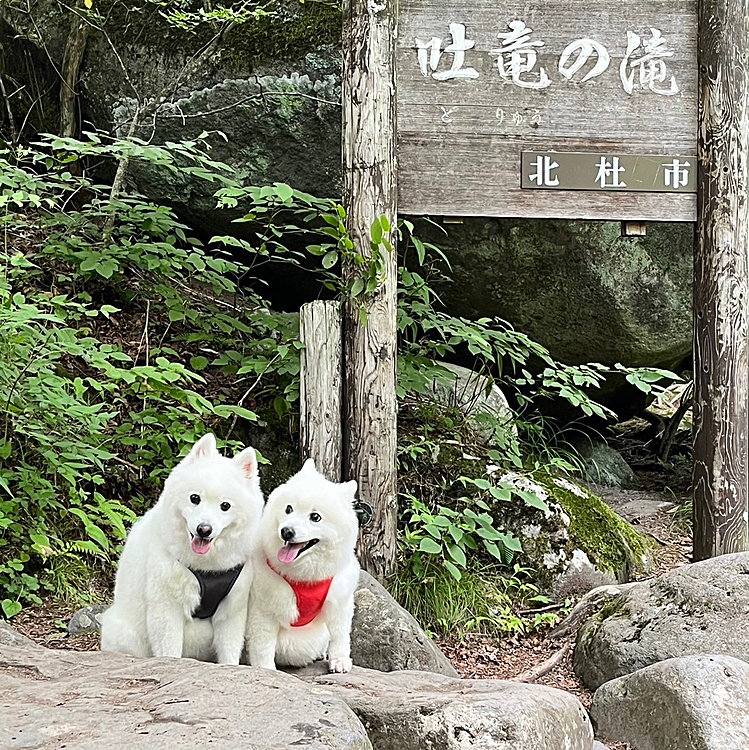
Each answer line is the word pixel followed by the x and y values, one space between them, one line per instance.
pixel 721 369
pixel 369 192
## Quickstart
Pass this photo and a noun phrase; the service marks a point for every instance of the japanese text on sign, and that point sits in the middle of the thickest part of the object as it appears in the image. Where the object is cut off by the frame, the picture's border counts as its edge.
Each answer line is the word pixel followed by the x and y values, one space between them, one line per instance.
pixel 622 172
pixel 643 65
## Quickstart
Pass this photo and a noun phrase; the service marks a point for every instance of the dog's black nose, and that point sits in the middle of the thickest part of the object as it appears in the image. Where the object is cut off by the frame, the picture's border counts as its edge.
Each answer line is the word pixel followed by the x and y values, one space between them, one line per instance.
pixel 287 533
pixel 204 530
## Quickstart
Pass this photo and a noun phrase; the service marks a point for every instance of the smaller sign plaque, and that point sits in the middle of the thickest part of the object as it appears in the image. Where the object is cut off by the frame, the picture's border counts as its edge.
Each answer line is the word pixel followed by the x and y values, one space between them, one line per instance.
pixel 555 170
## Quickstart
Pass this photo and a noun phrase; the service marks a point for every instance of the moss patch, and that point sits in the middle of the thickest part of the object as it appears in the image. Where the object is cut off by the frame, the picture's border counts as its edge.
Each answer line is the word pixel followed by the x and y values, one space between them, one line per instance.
pixel 292 31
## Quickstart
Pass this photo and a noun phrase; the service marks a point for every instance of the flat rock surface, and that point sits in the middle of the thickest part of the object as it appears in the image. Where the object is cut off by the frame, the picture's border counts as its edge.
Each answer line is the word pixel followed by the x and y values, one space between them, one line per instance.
pixel 89 701
pixel 701 608
pixel 687 703
pixel 418 710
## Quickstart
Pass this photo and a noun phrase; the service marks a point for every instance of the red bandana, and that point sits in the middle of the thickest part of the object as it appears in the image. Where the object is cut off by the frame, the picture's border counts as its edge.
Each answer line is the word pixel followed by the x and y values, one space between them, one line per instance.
pixel 310 597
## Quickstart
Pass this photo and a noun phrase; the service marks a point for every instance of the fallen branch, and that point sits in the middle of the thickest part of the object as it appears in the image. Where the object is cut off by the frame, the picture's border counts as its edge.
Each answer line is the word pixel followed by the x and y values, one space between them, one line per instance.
pixel 591 602
pixel 531 675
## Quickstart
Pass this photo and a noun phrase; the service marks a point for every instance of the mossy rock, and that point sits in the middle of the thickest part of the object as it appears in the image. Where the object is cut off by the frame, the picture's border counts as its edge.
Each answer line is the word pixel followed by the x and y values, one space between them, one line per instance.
pixel 579 542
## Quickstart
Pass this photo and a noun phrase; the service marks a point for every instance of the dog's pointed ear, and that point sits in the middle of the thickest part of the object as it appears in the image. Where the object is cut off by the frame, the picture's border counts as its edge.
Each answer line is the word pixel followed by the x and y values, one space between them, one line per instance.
pixel 247 461
pixel 308 467
pixel 204 448
pixel 348 489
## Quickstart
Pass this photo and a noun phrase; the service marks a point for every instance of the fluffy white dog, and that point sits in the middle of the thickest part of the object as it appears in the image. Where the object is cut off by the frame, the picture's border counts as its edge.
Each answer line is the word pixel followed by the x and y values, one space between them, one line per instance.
pixel 305 574
pixel 183 579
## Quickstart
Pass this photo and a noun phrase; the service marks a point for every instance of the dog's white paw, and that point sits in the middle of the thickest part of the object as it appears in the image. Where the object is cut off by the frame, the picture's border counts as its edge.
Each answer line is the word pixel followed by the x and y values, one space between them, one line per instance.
pixel 340 664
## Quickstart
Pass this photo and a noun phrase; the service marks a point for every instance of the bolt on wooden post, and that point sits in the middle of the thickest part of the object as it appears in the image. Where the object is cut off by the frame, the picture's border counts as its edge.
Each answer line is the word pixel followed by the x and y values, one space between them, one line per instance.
pixel 721 369
pixel 369 192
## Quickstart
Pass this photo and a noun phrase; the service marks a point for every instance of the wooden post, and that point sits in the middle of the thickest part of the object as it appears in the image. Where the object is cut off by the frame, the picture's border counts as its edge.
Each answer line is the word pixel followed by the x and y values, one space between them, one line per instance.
pixel 369 191
pixel 721 369
pixel 320 386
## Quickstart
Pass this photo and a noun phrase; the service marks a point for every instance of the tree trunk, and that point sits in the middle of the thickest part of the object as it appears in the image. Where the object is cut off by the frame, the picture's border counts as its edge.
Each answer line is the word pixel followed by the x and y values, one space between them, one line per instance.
pixel 320 387
pixel 75 46
pixel 369 191
pixel 721 375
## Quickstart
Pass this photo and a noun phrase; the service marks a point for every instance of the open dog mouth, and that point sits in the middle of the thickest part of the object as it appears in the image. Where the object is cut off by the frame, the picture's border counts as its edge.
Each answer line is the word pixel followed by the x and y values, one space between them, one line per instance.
pixel 291 550
pixel 199 544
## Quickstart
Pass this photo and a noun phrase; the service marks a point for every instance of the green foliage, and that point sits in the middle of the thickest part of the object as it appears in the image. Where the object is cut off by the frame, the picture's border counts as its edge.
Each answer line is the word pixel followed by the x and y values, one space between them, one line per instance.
pixel 89 426
pixel 285 218
pixel 450 494
pixel 479 601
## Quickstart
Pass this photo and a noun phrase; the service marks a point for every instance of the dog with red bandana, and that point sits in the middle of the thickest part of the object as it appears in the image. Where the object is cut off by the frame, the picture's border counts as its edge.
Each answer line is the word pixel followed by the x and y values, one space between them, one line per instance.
pixel 305 574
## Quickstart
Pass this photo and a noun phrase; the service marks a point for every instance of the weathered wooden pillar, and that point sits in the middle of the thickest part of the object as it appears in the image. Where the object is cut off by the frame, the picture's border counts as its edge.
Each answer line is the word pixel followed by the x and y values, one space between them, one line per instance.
pixel 369 191
pixel 320 388
pixel 721 374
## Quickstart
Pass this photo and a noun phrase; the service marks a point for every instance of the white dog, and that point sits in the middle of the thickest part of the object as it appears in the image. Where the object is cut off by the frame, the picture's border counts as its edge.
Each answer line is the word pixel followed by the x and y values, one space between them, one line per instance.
pixel 305 574
pixel 183 580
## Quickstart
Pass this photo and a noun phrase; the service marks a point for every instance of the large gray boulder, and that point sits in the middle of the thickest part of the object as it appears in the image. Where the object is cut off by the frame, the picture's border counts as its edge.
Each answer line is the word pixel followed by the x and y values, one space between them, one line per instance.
pixel 482 403
pixel 579 288
pixel 85 700
pixel 89 700
pixel 417 710
pixel 272 86
pixel 603 465
pixel 386 637
pixel 577 542
pixel 687 703
pixel 696 609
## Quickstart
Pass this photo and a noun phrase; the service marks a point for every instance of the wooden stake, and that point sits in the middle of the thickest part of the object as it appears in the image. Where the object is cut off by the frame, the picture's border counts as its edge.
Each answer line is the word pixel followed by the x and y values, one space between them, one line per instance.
pixel 369 191
pixel 321 381
pixel 721 374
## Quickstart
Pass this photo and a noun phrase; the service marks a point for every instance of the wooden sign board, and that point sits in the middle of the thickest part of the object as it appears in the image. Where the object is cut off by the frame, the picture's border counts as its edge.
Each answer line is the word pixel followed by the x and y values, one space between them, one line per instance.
pixel 481 82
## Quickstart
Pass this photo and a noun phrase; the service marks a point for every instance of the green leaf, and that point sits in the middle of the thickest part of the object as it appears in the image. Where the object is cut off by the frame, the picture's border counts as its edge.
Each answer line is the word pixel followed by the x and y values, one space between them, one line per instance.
pixel 501 493
pixel 330 259
pixel 199 362
pixel 11 608
pixel 433 531
pixel 454 571
pixel 493 550
pixel 457 554
pixel 284 192
pixel 376 232
pixel 430 546
pixel 97 535
pixel 531 500
pixel 511 542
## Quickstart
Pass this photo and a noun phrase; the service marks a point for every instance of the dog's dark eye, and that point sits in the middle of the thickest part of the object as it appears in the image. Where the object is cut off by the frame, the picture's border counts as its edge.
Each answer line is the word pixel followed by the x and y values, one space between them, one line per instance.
pixel 195 499
pixel 289 509
pixel 315 517
pixel 225 506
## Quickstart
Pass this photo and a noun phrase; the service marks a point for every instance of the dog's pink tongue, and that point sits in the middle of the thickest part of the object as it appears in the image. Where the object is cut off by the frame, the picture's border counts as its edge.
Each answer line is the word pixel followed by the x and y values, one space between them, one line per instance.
pixel 200 546
pixel 288 552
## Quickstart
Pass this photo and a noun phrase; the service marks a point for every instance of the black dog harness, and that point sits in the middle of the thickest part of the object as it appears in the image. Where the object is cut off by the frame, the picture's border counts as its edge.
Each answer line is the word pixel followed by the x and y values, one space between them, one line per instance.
pixel 214 586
